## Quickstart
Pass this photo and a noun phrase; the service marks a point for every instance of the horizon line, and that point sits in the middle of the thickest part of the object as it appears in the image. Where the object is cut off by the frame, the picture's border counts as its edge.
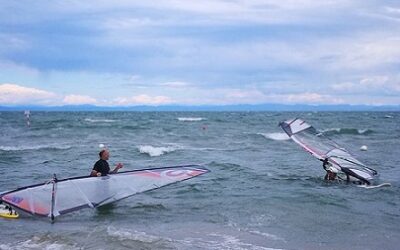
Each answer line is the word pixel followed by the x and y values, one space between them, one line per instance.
pixel 208 107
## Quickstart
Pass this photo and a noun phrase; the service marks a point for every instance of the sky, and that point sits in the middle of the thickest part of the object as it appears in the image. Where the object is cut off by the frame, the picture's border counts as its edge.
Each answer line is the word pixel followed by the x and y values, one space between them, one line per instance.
pixel 170 52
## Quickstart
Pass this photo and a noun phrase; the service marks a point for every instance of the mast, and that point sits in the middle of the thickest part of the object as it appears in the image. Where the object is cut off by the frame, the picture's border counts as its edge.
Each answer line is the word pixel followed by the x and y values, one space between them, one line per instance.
pixel 53 197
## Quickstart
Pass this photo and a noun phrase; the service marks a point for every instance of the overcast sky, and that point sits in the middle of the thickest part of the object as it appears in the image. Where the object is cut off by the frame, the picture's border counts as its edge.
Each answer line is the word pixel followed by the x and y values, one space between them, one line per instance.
pixel 199 52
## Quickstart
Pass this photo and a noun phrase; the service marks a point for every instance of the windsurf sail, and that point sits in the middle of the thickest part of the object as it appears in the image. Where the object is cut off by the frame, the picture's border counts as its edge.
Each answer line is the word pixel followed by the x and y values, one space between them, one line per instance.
pixel 59 197
pixel 323 148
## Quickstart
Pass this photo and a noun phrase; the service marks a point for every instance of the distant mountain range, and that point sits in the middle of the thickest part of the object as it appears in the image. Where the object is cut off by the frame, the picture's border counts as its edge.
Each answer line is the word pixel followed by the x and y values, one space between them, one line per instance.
pixel 239 107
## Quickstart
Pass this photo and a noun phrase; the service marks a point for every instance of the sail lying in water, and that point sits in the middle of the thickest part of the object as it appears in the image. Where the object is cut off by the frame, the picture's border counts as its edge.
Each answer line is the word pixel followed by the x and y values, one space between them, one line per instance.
pixel 323 148
pixel 59 197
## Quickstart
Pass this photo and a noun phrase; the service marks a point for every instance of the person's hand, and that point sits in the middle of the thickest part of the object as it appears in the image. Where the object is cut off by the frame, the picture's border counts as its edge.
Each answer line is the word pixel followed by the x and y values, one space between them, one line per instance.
pixel 120 165
pixel 98 174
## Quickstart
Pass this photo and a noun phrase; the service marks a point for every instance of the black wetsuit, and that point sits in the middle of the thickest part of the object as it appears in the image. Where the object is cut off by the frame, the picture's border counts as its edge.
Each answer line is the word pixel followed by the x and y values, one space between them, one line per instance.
pixel 101 166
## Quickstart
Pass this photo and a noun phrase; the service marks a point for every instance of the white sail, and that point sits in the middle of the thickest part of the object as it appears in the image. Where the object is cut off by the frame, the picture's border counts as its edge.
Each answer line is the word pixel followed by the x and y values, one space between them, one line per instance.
pixel 81 192
pixel 322 148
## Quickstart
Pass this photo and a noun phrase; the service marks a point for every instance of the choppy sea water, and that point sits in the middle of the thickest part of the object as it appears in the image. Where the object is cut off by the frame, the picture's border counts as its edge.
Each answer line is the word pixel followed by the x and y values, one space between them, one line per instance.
pixel 263 191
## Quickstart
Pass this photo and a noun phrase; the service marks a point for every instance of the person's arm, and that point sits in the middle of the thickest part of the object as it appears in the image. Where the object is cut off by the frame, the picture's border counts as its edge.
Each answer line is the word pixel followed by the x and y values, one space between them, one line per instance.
pixel 94 173
pixel 117 167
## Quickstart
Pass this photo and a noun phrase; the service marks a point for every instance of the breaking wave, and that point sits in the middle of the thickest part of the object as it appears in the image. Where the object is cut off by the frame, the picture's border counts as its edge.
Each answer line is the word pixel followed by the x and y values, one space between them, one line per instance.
pixel 156 151
pixel 99 120
pixel 224 241
pixel 275 136
pixel 39 243
pixel 267 235
pixel 346 131
pixel 132 235
pixel 38 147
pixel 190 119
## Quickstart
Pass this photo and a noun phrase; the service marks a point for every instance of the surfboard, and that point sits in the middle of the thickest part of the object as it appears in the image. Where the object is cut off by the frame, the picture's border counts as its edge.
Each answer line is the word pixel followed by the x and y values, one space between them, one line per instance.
pixel 386 184
pixel 8 212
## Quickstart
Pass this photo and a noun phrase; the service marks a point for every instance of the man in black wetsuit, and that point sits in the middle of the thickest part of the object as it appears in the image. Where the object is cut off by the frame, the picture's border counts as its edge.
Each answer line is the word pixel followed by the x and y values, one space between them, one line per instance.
pixel 331 172
pixel 101 167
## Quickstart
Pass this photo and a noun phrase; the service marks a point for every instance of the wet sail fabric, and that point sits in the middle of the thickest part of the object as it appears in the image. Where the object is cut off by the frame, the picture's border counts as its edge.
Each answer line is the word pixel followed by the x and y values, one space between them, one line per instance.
pixel 322 148
pixel 59 197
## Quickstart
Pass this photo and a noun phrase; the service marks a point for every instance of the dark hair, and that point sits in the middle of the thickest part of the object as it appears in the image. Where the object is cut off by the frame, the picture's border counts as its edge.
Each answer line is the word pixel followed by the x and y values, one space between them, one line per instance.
pixel 102 152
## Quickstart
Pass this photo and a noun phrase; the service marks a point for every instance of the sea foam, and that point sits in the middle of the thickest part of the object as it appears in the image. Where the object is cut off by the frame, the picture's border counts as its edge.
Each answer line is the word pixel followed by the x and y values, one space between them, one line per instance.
pixel 99 120
pixel 37 242
pixel 37 147
pixel 190 119
pixel 127 234
pixel 275 136
pixel 349 131
pixel 156 151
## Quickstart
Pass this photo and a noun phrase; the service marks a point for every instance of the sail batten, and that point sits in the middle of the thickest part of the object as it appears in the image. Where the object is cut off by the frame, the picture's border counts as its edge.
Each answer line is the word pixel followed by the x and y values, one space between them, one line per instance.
pixel 82 192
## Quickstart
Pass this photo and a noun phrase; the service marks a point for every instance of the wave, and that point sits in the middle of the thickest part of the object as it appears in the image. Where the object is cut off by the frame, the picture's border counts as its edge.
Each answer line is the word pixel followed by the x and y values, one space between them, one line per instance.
pixel 275 136
pixel 156 151
pixel 126 234
pixel 99 120
pixel 190 119
pixel 149 206
pixel 266 235
pixel 226 241
pixel 44 242
pixel 346 131
pixel 38 147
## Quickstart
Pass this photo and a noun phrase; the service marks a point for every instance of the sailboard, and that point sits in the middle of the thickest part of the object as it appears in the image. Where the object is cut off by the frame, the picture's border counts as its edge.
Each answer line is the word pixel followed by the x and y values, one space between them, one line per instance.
pixel 7 212
pixel 58 197
pixel 323 148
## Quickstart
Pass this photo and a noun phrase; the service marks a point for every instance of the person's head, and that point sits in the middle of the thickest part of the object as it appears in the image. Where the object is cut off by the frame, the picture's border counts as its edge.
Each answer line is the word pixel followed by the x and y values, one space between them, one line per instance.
pixel 104 154
pixel 332 170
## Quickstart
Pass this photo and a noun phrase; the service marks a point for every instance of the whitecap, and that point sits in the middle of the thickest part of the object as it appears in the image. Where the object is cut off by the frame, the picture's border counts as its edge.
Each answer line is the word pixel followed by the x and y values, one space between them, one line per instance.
pixel 99 120
pixel 329 130
pixel 275 136
pixel 353 131
pixel 363 131
pixel 30 147
pixel 266 235
pixel 386 184
pixel 190 119
pixel 156 151
pixel 231 242
pixel 125 234
pixel 38 243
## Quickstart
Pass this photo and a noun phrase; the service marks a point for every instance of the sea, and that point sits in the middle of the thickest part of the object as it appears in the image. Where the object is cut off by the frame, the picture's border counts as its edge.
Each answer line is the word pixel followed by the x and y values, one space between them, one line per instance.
pixel 262 192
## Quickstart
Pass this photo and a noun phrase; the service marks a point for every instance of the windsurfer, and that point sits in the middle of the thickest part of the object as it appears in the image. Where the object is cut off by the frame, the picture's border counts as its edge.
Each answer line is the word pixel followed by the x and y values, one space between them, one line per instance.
pixel 101 167
pixel 331 172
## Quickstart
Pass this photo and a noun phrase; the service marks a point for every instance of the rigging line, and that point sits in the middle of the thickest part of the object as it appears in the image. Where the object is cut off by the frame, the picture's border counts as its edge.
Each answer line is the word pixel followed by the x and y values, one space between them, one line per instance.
pixel 90 204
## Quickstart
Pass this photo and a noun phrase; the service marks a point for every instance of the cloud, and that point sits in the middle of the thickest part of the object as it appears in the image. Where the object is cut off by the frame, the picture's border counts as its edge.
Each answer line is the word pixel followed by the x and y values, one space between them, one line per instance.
pixel 176 84
pixel 79 100
pixel 242 51
pixel 312 98
pixel 211 12
pixel 142 100
pixel 13 94
pixel 344 86
pixel 374 81
pixel 373 85
pixel 255 96
pixel 12 42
